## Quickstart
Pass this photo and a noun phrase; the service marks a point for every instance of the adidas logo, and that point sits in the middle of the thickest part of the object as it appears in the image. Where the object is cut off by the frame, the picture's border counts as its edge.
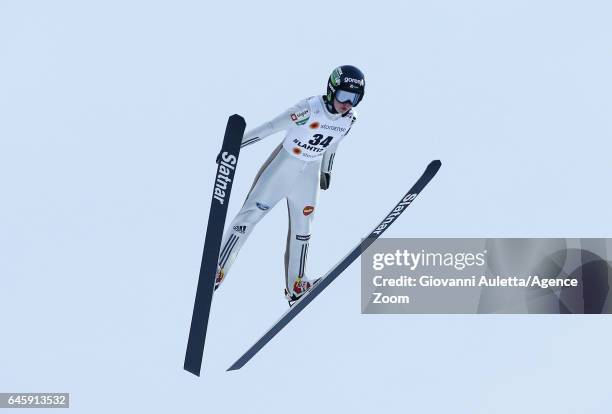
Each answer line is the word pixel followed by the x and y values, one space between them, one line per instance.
pixel 240 229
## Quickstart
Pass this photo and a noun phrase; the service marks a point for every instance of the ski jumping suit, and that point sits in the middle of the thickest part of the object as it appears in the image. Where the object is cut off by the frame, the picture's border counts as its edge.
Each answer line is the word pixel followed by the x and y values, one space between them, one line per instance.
pixel 292 171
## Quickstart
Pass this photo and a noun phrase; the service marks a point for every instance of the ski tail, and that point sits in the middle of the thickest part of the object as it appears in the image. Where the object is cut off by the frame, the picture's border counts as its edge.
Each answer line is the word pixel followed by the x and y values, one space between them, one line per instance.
pixel 330 276
pixel 226 171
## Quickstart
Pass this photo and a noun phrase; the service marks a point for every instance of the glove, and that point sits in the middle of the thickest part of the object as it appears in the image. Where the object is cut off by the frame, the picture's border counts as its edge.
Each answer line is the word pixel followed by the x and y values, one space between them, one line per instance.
pixel 325 179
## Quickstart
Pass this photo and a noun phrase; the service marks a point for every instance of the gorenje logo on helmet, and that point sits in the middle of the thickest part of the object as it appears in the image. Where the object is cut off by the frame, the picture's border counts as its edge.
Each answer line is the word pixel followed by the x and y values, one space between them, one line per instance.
pixel 359 82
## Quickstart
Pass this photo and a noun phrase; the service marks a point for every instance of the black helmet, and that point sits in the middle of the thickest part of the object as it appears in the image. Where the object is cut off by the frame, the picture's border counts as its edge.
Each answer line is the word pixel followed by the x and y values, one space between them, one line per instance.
pixel 346 78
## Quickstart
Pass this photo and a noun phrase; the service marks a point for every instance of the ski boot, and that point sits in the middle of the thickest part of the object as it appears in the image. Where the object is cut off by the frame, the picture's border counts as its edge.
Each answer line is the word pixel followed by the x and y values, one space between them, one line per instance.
pixel 300 287
pixel 219 277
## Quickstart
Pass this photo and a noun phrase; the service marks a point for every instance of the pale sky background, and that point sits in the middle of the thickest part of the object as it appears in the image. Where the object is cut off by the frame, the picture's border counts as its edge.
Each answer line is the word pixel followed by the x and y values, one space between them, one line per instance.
pixel 112 113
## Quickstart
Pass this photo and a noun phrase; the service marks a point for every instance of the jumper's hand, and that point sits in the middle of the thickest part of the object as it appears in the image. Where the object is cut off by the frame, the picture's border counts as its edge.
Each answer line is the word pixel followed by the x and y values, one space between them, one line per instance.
pixel 325 179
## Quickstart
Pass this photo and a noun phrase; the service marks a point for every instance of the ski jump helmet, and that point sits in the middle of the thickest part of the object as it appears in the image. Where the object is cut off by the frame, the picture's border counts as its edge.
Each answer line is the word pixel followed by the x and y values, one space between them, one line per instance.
pixel 346 78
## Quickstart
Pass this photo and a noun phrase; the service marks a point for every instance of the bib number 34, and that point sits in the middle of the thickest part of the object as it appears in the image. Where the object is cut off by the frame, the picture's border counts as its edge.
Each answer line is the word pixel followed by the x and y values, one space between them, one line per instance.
pixel 318 140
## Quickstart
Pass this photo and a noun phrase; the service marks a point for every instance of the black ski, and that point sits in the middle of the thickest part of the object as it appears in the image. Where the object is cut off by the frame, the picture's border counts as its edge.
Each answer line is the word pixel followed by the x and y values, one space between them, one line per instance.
pixel 214 232
pixel 329 277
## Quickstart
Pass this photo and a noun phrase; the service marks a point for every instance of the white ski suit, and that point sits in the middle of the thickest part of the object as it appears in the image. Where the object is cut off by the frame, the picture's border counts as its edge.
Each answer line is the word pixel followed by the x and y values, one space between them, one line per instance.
pixel 293 172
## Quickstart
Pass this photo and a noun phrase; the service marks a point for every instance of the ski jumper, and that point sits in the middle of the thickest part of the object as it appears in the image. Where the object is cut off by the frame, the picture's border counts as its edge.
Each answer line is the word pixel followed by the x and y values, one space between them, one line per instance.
pixel 292 172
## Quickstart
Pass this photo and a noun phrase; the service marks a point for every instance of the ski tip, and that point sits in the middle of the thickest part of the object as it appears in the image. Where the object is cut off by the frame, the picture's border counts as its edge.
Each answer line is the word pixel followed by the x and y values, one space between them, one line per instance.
pixel 435 164
pixel 235 119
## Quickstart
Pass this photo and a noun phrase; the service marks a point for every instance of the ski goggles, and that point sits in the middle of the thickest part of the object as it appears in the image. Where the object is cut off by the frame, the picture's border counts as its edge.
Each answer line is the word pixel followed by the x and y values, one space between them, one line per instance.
pixel 348 97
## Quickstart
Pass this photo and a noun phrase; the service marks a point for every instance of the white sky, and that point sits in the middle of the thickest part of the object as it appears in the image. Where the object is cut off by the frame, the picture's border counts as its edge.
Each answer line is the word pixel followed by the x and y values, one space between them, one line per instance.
pixel 111 115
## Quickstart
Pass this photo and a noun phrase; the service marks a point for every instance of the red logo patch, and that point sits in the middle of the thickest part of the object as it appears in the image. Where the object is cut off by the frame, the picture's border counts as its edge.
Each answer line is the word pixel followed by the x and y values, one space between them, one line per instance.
pixel 293 117
pixel 308 210
pixel 297 151
pixel 315 125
